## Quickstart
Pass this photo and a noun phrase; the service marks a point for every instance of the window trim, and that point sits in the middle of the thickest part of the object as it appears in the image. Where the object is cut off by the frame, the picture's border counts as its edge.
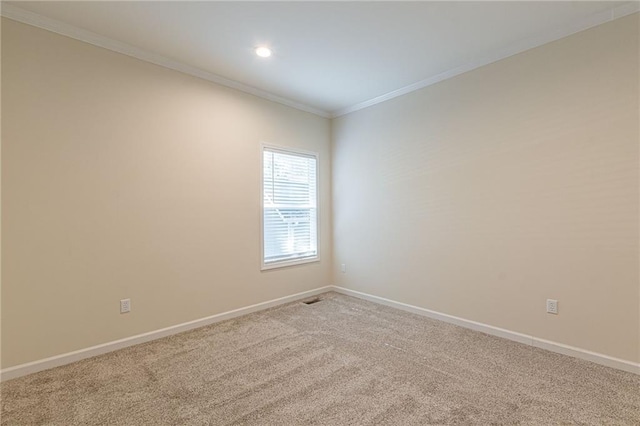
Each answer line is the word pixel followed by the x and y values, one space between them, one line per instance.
pixel 299 261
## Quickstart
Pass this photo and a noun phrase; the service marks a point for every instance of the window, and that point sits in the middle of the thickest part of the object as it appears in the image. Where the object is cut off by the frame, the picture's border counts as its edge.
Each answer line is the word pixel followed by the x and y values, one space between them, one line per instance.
pixel 289 207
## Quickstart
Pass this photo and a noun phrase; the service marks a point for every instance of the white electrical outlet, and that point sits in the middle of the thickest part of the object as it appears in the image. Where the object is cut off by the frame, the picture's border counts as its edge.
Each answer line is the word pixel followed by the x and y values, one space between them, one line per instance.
pixel 552 306
pixel 343 268
pixel 125 306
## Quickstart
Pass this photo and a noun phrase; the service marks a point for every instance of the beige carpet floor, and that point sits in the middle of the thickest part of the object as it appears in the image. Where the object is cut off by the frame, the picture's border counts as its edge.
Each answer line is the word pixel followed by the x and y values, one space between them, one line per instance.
pixel 341 361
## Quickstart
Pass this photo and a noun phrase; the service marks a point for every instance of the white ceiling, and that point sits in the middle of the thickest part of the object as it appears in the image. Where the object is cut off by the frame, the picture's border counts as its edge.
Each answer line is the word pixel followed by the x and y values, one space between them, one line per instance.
pixel 331 56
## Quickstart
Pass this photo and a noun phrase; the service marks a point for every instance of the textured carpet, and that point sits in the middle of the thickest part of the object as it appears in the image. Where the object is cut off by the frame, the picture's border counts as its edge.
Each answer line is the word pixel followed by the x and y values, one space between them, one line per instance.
pixel 341 361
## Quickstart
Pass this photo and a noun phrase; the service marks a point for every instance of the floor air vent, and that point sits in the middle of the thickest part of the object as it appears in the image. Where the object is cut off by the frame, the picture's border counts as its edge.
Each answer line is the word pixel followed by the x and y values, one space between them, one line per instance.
pixel 312 301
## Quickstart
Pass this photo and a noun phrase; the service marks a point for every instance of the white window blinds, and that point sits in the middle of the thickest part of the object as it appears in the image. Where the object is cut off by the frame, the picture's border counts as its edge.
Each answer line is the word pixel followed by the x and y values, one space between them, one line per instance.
pixel 290 207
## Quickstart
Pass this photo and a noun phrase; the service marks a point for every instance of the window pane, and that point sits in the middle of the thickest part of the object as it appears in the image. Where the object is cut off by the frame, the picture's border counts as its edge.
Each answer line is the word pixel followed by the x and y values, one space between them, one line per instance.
pixel 290 206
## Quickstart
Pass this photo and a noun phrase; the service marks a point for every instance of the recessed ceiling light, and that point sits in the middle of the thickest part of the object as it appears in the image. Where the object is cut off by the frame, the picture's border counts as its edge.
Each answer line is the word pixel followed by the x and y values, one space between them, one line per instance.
pixel 263 52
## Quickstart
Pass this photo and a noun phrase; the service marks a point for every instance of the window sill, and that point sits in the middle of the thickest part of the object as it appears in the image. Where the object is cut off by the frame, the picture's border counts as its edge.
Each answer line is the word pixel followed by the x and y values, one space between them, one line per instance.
pixel 288 263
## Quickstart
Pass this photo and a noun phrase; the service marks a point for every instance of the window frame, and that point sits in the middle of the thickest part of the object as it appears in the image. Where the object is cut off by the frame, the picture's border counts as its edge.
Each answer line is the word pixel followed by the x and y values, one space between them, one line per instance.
pixel 293 262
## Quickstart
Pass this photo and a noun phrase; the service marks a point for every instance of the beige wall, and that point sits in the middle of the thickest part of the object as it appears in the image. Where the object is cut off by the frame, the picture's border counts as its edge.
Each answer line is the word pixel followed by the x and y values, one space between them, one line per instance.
pixel 486 194
pixel 124 179
pixel 479 197
pixel 0 193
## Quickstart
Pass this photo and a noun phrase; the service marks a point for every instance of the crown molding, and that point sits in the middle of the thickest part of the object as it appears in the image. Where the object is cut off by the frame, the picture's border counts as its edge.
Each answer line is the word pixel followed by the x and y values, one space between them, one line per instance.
pixel 514 49
pixel 18 14
pixel 26 17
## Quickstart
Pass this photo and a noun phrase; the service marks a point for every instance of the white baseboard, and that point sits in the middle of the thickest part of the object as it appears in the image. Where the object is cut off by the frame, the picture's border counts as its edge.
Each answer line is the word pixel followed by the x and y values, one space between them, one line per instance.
pixel 595 357
pixel 67 358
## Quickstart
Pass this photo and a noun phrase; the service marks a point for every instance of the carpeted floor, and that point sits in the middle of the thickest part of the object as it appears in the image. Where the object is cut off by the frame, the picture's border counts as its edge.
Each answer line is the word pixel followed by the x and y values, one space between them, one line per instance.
pixel 341 361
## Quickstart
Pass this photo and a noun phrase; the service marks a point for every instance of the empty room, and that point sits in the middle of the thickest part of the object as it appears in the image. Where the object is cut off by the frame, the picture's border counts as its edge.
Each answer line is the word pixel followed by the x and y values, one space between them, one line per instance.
pixel 328 213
